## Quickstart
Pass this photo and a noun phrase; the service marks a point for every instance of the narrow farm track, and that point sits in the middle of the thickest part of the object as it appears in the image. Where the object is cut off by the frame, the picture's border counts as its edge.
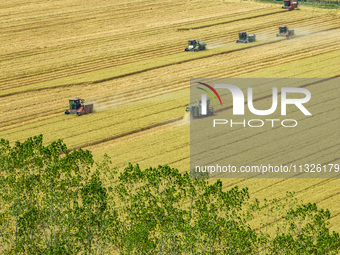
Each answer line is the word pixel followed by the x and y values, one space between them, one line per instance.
pixel 128 59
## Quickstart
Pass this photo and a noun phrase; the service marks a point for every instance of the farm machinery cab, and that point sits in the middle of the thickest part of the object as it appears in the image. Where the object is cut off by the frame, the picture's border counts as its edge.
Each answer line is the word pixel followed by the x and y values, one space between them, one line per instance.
pixel 284 31
pixel 195 45
pixel 244 37
pixel 79 107
pixel 290 4
pixel 196 109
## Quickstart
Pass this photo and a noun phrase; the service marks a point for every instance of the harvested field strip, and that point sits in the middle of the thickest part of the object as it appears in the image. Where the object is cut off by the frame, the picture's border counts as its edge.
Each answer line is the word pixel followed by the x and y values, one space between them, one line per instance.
pixel 125 98
pixel 224 21
pixel 146 91
pixel 102 60
pixel 93 68
pixel 143 66
pixel 281 60
pixel 109 125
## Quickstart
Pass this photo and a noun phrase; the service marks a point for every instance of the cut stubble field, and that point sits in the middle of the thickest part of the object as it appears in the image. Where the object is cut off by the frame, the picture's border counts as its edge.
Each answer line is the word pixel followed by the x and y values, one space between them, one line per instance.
pixel 128 59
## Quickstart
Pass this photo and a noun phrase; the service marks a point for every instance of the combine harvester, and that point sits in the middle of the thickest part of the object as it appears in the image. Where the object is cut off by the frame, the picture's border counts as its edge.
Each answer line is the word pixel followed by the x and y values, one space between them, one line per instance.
pixel 195 45
pixel 77 106
pixel 196 109
pixel 284 31
pixel 290 4
pixel 244 37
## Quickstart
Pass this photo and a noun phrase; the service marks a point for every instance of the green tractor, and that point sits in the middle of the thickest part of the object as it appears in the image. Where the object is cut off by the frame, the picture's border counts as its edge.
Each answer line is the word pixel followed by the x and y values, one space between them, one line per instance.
pixel 196 109
pixel 244 37
pixel 195 45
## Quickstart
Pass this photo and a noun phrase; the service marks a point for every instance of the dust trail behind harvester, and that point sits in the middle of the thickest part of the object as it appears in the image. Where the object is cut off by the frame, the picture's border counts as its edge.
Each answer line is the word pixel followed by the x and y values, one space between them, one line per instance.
pixel 186 118
pixel 99 106
pixel 301 31
pixel 214 45
pixel 263 37
pixel 109 102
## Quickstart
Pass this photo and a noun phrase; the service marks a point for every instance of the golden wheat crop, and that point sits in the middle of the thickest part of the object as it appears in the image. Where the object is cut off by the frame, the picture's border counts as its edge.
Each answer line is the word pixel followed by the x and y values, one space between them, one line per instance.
pixel 127 58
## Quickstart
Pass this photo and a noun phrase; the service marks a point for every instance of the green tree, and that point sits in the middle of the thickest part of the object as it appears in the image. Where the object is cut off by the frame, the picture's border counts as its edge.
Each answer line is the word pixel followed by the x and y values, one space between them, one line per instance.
pixel 48 198
pixel 166 212
pixel 53 201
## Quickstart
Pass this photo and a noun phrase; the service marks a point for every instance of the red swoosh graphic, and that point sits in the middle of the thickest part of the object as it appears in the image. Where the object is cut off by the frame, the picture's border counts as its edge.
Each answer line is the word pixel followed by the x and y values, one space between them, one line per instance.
pixel 213 90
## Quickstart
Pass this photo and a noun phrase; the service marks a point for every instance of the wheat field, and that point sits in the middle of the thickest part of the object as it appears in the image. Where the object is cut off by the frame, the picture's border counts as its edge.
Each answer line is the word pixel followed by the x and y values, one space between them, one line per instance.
pixel 127 57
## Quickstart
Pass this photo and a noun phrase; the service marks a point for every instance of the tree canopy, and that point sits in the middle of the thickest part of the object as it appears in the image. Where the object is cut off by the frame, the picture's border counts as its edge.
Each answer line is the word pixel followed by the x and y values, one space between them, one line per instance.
pixel 53 201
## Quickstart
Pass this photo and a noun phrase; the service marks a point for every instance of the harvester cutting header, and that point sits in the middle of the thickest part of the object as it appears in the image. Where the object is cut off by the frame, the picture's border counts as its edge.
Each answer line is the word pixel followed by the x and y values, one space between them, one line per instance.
pixel 79 107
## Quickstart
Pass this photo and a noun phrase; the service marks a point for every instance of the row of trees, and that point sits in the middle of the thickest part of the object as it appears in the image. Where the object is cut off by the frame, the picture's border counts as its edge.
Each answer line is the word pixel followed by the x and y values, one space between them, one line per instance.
pixel 58 202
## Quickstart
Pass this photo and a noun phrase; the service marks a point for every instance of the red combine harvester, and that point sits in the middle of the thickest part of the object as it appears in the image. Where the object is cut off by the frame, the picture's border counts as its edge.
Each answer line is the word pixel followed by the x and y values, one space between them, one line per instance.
pixel 290 4
pixel 77 106
pixel 284 31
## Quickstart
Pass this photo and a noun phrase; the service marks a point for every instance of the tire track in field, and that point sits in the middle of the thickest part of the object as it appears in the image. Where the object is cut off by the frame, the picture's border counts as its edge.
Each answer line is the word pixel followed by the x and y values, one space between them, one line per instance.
pixel 128 136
